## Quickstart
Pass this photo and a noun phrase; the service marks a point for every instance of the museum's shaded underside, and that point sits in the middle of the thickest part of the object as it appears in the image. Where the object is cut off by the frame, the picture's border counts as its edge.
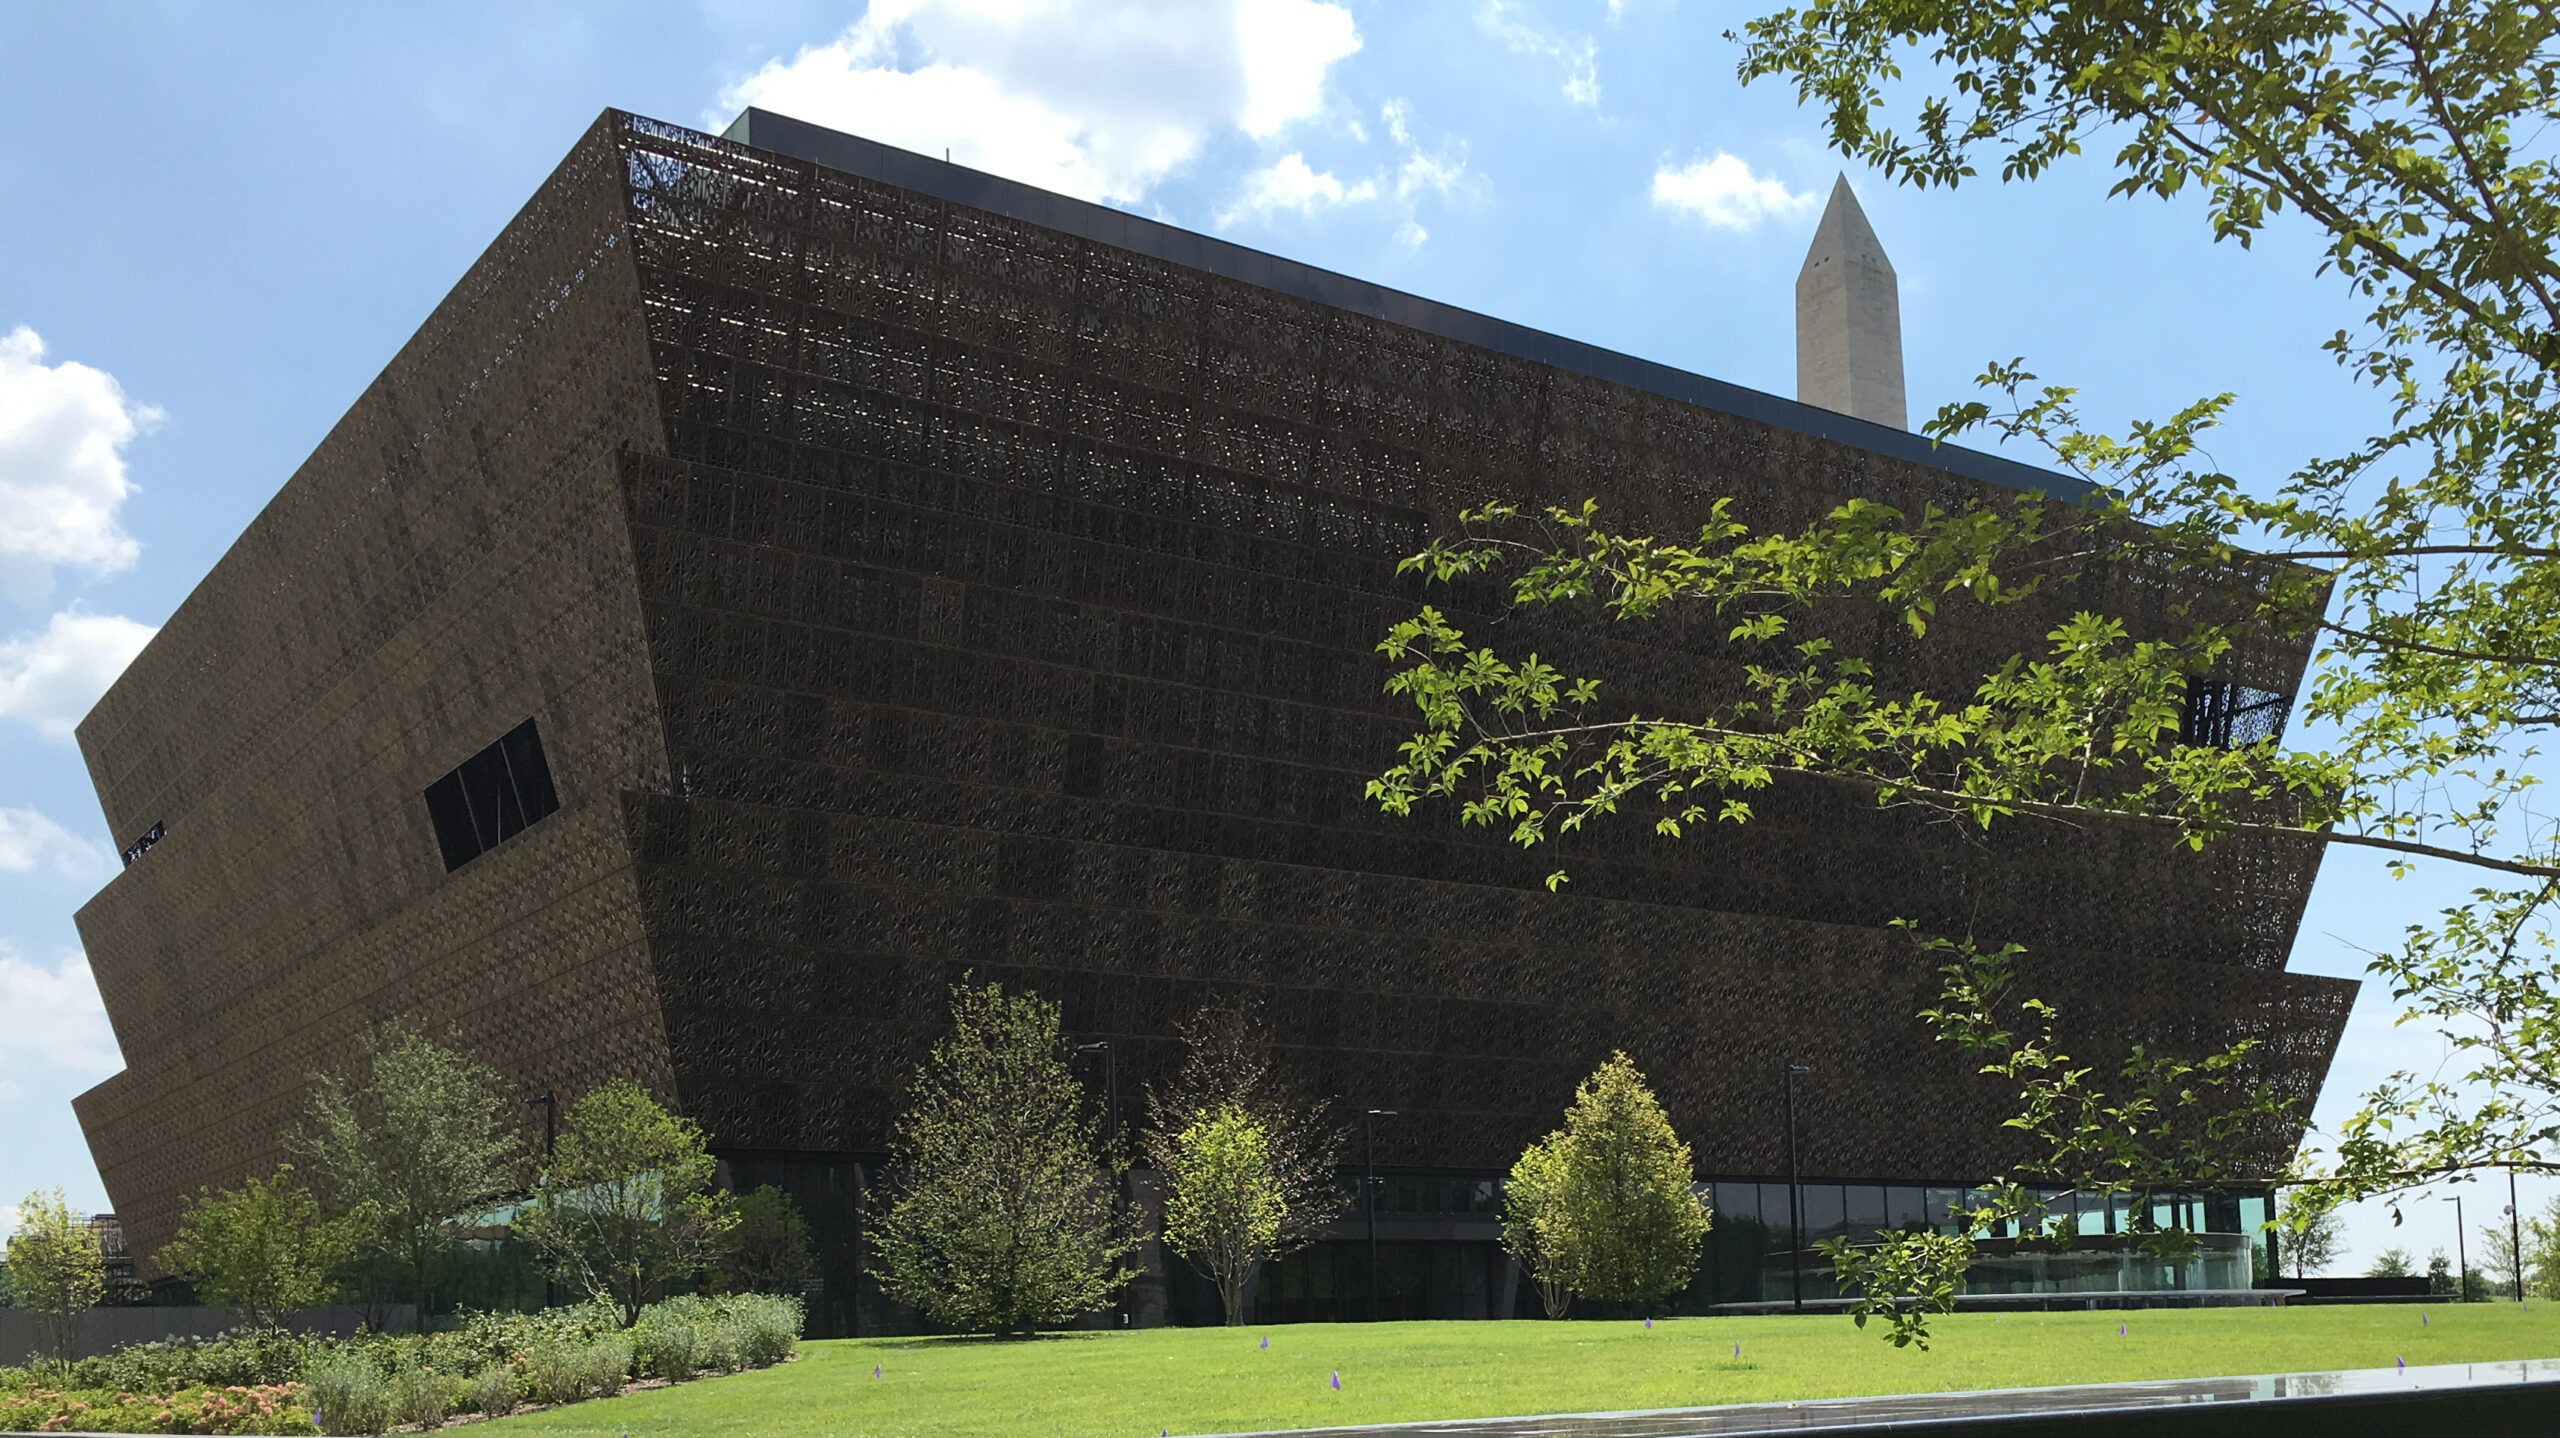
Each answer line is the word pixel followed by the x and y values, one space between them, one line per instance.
pixel 898 588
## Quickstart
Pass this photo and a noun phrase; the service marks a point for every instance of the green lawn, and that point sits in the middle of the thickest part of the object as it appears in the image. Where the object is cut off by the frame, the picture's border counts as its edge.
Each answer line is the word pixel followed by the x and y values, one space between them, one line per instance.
pixel 1120 1385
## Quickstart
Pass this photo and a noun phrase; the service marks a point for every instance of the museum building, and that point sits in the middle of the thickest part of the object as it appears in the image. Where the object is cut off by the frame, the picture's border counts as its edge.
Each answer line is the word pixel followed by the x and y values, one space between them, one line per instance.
pixel 788 573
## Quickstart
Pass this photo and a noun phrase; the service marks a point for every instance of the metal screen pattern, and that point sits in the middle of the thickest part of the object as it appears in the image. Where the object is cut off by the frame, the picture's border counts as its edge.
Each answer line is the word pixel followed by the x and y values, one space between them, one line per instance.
pixel 904 591
pixel 1013 600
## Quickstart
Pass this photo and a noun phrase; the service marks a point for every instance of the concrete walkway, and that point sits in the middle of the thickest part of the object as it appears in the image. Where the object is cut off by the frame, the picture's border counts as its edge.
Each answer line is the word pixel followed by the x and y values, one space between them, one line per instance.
pixel 2482 1400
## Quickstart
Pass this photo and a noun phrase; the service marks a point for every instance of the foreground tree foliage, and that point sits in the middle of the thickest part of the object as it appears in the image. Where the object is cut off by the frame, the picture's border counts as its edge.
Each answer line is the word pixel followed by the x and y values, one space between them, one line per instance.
pixel 1223 1208
pixel 1610 1211
pixel 1228 1066
pixel 2420 559
pixel 1004 1216
pixel 262 1252
pixel 421 1140
pixel 625 1205
pixel 55 1270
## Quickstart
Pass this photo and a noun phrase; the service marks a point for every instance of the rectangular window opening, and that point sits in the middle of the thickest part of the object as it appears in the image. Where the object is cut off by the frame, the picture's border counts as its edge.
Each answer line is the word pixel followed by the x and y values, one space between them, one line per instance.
pixel 492 796
pixel 2224 715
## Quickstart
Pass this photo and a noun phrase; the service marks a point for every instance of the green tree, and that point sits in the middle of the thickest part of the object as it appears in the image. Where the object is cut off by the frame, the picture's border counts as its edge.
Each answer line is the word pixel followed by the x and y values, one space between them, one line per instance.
pixel 1627 1216
pixel 1227 1065
pixel 768 1251
pixel 1532 1221
pixel 56 1269
pixel 2313 1239
pixel 420 1137
pixel 2389 1263
pixel 1003 1216
pixel 1223 1208
pixel 624 1204
pixel 263 1251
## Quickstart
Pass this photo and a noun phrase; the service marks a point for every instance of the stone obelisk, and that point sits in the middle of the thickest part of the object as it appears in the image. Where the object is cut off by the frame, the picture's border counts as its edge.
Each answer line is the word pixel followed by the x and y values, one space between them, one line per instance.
pixel 1849 318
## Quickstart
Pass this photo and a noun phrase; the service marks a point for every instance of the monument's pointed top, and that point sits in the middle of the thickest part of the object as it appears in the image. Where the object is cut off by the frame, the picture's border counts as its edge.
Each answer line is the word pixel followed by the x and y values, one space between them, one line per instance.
pixel 1843 235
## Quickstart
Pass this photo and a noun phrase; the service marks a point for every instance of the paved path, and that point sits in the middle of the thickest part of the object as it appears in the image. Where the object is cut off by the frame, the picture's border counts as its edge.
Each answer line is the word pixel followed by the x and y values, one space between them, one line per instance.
pixel 1993 1409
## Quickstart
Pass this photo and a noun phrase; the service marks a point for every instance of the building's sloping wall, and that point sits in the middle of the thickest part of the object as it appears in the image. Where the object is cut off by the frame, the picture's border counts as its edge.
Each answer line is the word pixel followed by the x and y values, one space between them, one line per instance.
pixel 449 561
pixel 1013 599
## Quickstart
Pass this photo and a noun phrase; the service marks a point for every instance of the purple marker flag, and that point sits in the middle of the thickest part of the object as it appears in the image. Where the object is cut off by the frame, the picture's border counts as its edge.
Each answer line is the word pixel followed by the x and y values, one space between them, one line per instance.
pixel 1266 1343
pixel 1737 1350
pixel 1648 1322
pixel 2119 1330
pixel 2399 1362
pixel 875 1370
pixel 1337 1380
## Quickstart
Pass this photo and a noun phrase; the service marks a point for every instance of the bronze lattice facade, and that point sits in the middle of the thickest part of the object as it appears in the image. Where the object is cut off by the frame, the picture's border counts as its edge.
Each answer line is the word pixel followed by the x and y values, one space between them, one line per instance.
pixel 908 572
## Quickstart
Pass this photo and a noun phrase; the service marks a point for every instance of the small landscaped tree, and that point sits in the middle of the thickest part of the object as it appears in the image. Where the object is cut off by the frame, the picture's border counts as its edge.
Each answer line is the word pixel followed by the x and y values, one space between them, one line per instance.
pixel 2389 1263
pixel 1628 1219
pixel 1223 1209
pixel 1002 1217
pixel 2311 1240
pixel 56 1270
pixel 768 1251
pixel 421 1137
pixel 625 1203
pixel 1532 1221
pixel 1228 1064
pixel 263 1251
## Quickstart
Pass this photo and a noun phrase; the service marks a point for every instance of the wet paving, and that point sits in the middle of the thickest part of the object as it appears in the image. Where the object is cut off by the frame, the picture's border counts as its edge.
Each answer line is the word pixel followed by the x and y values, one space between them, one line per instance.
pixel 1932 1409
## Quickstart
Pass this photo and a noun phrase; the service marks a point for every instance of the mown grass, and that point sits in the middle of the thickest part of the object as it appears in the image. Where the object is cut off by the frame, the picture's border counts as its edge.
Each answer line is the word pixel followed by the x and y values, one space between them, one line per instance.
pixel 1128 1384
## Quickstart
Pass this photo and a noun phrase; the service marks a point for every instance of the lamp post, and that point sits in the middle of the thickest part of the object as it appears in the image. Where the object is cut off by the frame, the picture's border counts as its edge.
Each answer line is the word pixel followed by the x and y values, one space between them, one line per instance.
pixel 550 1120
pixel 2515 1233
pixel 2461 1254
pixel 1369 1191
pixel 1795 1190
pixel 550 1139
pixel 1110 1088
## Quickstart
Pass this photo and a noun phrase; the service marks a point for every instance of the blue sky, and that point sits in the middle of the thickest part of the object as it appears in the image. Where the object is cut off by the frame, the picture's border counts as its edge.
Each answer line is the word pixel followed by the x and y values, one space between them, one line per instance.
pixel 222 221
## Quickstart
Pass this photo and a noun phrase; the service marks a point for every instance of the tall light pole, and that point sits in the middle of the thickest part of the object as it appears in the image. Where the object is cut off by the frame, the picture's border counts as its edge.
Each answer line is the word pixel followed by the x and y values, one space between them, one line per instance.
pixel 2462 1254
pixel 1369 1190
pixel 2515 1233
pixel 1110 1090
pixel 1795 1190
pixel 550 1120
pixel 550 1140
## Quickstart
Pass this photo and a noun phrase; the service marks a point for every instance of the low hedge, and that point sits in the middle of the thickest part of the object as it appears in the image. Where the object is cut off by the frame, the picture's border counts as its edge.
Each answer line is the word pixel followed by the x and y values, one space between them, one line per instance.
pixel 489 1363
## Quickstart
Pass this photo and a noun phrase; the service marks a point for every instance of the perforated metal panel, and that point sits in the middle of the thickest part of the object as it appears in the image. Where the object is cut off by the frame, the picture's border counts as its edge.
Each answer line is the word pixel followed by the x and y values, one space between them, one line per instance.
pixel 907 589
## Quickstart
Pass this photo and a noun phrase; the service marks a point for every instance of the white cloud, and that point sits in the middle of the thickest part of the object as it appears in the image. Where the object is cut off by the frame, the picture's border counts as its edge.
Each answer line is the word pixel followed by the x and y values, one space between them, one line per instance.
pixel 1724 193
pixel 50 679
pixel 1422 170
pixel 1291 184
pixel 30 841
pixel 63 429
pixel 1579 55
pixel 1088 97
pixel 52 1017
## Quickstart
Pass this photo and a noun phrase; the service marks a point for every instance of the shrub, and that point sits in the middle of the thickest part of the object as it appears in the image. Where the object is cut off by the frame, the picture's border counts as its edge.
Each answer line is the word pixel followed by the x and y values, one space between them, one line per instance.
pixel 242 1358
pixel 272 1408
pixel 670 1349
pixel 608 1362
pixel 420 1396
pixel 772 1326
pixel 493 1391
pixel 719 1345
pixel 350 1395
pixel 558 1369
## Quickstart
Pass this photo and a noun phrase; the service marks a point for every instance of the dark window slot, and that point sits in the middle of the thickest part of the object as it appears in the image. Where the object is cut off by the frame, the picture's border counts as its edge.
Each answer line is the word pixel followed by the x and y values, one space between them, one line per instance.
pixel 492 796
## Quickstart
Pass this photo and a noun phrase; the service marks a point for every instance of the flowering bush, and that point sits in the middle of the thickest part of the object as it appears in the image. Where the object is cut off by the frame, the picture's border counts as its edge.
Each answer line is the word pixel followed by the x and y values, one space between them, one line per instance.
pixel 291 1383
pixel 238 1408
